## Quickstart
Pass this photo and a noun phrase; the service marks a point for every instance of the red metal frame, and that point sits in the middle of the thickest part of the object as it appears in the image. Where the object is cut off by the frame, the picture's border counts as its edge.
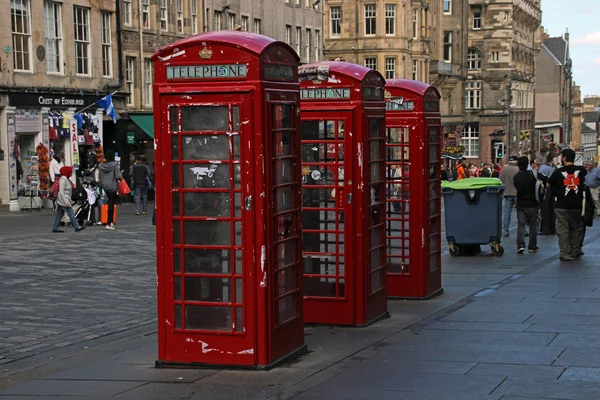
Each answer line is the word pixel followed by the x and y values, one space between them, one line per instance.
pixel 413 142
pixel 218 261
pixel 343 219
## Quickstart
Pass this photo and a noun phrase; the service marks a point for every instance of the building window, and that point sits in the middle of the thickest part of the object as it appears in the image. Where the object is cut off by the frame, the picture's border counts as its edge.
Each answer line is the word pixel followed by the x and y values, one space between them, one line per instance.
pixel 473 95
pixel 257 25
pixel 336 21
pixel 307 44
pixel 370 19
pixel 447 6
pixel 164 16
pixel 129 80
pixel 106 46
pixel 415 70
pixel 474 58
pixel 245 23
pixel 415 24
pixel 470 140
pixel 180 16
pixel 148 78
pixel 390 68
pixel 317 45
pixel 371 62
pixel 194 16
pixel 390 19
pixel 477 20
pixel 53 31
pixel 21 33
pixel 495 56
pixel 298 39
pixel 288 34
pixel 127 12
pixel 231 21
pixel 146 13
pixel 218 21
pixel 448 46
pixel 82 40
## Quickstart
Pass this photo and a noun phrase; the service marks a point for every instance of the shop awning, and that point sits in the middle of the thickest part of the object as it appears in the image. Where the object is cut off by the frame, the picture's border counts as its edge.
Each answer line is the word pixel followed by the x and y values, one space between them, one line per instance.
pixel 145 122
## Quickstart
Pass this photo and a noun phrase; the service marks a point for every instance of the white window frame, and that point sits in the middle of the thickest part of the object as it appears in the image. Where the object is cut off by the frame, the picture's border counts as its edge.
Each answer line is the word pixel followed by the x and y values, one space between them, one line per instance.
pixel 53 36
pixel 21 35
pixel 474 60
pixel 307 43
pixel 335 14
pixel 164 16
pixel 257 25
pixel 244 21
pixel 477 21
pixel 471 141
pixel 194 16
pixel 390 67
pixel 230 21
pixel 298 39
pixel 217 20
pixel 494 56
pixel 148 81
pixel 106 38
pixel 473 95
pixel 130 80
pixel 127 12
pixel 288 34
pixel 390 20
pixel 317 45
pixel 415 23
pixel 449 3
pixel 370 19
pixel 415 70
pixel 447 56
pixel 83 43
pixel 180 27
pixel 371 62
pixel 146 14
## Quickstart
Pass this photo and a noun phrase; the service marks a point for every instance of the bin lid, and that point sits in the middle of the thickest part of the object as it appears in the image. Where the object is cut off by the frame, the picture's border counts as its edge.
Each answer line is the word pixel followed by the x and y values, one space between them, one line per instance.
pixel 472 183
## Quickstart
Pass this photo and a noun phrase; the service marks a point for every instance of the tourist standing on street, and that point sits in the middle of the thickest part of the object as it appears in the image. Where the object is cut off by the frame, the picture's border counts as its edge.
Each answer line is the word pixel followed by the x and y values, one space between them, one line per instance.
pixel 592 180
pixel 568 185
pixel 527 206
pixel 55 165
pixel 460 172
pixel 548 222
pixel 63 201
pixel 139 173
pixel 109 181
pixel 507 176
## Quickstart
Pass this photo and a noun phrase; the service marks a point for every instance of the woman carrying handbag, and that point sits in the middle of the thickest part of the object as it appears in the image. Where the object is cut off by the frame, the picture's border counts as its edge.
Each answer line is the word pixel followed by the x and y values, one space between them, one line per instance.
pixel 110 176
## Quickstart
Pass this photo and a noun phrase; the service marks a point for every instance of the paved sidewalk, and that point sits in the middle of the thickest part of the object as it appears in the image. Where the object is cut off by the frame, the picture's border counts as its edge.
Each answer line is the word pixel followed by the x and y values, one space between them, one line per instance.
pixel 516 327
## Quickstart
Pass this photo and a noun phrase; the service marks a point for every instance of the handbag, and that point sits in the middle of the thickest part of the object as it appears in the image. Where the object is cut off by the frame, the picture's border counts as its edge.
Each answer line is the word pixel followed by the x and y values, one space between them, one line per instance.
pixel 123 188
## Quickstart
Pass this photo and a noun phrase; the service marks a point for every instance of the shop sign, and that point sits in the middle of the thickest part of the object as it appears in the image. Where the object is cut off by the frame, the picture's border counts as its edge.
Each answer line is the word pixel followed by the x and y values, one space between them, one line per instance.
pixel 50 100
pixel 130 137
pixel 207 71
pixel 28 121
pixel 74 141
pixel 12 160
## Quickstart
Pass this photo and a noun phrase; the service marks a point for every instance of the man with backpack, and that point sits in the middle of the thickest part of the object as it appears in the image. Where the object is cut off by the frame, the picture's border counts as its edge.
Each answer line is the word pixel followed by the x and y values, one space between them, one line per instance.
pixel 529 192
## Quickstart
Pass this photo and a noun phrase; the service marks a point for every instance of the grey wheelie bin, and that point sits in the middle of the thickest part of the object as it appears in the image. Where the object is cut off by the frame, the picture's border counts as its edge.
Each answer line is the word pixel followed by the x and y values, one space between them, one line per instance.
pixel 473 214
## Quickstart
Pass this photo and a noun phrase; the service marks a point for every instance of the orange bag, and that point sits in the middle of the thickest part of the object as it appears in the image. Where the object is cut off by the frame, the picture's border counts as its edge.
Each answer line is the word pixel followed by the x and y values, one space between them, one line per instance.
pixel 104 214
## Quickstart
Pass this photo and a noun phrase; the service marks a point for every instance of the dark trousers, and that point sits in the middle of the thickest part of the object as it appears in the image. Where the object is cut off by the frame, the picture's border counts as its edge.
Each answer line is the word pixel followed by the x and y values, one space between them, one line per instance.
pixel 548 225
pixel 527 218
pixel 112 199
pixel 569 229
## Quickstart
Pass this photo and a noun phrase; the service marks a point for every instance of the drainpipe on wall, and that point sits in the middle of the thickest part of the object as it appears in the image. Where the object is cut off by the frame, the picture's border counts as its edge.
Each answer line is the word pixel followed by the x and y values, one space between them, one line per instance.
pixel 141 56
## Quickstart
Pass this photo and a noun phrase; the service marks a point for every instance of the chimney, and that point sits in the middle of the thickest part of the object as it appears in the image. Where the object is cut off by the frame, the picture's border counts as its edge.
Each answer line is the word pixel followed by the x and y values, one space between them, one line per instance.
pixel 567 35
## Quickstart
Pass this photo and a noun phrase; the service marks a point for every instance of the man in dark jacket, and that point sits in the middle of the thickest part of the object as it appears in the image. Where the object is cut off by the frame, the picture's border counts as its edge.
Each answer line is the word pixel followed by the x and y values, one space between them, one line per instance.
pixel 527 206
pixel 139 173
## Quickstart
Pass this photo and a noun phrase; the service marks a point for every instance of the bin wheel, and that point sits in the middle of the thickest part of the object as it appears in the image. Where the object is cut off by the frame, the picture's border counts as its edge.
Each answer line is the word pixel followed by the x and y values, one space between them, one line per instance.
pixel 454 249
pixel 497 250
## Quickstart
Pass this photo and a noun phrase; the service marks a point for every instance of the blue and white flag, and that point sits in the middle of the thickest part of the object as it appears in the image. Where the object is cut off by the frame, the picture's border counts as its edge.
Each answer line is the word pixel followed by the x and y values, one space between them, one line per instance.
pixel 107 104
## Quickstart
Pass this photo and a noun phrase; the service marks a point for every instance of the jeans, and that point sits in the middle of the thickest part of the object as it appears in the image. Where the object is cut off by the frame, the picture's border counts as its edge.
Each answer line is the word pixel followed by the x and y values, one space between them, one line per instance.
pixel 509 204
pixel 62 210
pixel 527 217
pixel 569 229
pixel 112 199
pixel 141 196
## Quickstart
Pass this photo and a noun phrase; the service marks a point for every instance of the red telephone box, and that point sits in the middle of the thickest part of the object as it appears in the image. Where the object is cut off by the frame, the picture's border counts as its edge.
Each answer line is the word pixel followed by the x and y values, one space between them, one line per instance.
pixel 343 193
pixel 228 201
pixel 413 142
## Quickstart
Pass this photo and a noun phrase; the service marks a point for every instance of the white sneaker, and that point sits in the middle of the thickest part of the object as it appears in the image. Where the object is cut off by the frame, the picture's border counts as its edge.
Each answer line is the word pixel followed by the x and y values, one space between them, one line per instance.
pixel 110 227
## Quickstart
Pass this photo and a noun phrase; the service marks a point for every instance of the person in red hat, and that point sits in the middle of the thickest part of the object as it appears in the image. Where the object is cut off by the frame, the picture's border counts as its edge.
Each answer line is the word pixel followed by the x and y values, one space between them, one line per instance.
pixel 63 201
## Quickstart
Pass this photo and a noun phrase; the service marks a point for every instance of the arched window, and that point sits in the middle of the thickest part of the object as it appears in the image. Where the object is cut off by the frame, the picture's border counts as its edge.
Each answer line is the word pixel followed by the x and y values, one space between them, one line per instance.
pixel 474 58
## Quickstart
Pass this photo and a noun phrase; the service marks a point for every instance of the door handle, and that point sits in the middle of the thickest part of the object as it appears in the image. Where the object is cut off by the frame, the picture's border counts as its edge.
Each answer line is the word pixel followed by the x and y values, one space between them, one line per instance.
pixel 248 203
pixel 349 198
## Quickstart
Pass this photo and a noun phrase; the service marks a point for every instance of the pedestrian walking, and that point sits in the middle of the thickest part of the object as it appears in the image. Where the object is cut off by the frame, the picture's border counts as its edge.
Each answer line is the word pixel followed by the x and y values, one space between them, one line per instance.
pixel 109 180
pixel 527 205
pixel 460 172
pixel 486 172
pixel 63 201
pixel 139 173
pixel 588 211
pixel 592 181
pixel 548 217
pixel 507 176
pixel 568 185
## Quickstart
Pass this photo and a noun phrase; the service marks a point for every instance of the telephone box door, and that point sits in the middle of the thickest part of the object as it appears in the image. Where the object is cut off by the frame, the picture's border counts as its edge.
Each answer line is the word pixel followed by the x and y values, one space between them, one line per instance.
pixel 212 287
pixel 327 199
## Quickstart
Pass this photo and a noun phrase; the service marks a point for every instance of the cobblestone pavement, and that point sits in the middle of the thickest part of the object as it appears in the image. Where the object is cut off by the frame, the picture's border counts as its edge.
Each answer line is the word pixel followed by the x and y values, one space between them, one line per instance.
pixel 64 289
